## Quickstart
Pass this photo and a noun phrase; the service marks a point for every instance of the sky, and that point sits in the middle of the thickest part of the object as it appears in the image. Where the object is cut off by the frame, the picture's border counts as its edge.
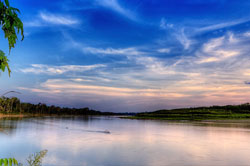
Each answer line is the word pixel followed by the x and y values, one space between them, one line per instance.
pixel 131 55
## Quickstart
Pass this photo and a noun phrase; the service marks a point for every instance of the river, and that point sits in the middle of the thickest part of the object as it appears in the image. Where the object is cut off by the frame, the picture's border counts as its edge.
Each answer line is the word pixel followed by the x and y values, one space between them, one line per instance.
pixel 111 141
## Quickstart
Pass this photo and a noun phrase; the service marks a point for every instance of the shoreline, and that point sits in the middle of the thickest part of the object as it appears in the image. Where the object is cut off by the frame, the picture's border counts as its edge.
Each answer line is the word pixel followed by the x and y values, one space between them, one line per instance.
pixel 12 115
pixel 214 119
pixel 25 115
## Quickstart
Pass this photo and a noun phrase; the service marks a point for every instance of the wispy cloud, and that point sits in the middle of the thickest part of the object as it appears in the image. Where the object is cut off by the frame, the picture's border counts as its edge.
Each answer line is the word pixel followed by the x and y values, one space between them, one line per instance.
pixel 222 25
pixel 113 51
pixel 247 34
pixel 215 49
pixel 183 39
pixel 164 25
pixel 74 87
pixel 58 19
pixel 55 70
pixel 115 6
pixel 102 51
pixel 46 19
pixel 164 50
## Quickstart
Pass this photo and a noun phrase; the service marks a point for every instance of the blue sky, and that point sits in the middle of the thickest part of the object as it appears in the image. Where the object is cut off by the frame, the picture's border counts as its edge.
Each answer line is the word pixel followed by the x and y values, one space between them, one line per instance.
pixel 131 55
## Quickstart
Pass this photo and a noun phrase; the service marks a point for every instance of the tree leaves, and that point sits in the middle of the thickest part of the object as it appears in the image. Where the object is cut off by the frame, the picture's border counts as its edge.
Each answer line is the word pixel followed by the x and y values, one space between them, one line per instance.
pixel 36 159
pixel 8 162
pixel 7 3
pixel 12 26
pixel 33 160
pixel 11 23
pixel 4 62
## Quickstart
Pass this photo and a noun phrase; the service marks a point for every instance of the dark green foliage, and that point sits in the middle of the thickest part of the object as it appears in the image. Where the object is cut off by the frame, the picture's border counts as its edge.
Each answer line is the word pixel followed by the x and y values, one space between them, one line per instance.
pixel 10 22
pixel 200 113
pixel 4 62
pixel 13 105
pixel 11 26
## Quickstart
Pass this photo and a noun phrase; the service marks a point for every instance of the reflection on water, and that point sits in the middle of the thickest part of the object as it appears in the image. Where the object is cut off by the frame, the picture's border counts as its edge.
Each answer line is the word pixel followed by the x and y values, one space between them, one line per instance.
pixel 110 141
pixel 8 125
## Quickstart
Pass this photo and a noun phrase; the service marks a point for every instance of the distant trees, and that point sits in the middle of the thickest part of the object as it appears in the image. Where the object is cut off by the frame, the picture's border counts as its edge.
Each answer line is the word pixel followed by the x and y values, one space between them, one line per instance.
pixel 11 25
pixel 9 105
pixel 13 105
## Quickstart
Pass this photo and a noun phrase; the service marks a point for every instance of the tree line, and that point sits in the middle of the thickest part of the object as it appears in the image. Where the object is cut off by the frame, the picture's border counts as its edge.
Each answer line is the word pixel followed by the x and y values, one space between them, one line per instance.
pixel 242 108
pixel 14 105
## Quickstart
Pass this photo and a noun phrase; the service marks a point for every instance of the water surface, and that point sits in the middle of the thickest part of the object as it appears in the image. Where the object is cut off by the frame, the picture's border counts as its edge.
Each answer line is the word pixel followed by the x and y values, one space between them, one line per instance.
pixel 110 141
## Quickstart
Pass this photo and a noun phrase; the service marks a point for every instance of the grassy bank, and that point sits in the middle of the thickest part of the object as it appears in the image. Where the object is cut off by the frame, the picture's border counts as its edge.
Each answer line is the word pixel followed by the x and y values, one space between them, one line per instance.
pixel 200 113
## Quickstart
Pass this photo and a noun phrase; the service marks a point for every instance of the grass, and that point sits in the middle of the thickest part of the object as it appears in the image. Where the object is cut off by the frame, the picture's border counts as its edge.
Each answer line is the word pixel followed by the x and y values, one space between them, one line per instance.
pixel 200 113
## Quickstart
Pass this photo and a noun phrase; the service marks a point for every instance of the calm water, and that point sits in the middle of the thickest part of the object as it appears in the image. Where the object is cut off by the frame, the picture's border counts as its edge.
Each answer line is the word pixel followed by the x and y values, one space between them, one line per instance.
pixel 84 141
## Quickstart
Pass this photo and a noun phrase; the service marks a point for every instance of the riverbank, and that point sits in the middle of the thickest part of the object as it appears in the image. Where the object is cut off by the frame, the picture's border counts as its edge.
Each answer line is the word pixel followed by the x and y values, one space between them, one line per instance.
pixel 20 116
pixel 229 112
pixel 12 115
pixel 27 115
pixel 190 117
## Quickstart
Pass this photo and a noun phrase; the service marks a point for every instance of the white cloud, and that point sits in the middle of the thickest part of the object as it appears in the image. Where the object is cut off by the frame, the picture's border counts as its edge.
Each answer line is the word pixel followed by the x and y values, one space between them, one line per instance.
pixel 57 19
pixel 71 86
pixel 231 38
pixel 213 44
pixel 246 34
pixel 222 25
pixel 102 51
pixel 164 50
pixel 183 39
pixel 54 70
pixel 47 19
pixel 115 6
pixel 113 51
pixel 215 50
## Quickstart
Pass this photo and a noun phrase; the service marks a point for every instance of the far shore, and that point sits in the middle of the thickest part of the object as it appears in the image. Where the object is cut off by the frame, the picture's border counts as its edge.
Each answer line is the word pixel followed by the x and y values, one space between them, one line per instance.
pixel 12 115
pixel 228 112
pixel 26 115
